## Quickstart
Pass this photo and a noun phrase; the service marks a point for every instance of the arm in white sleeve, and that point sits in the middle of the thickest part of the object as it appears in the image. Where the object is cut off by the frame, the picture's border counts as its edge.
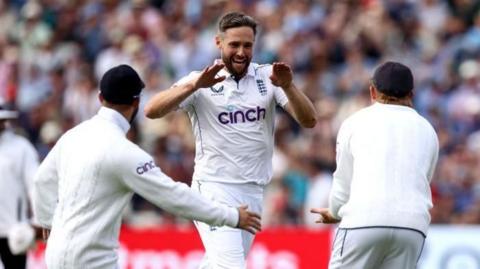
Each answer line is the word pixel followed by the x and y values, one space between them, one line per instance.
pixel 433 164
pixel 342 177
pixel 140 174
pixel 45 190
pixel 30 166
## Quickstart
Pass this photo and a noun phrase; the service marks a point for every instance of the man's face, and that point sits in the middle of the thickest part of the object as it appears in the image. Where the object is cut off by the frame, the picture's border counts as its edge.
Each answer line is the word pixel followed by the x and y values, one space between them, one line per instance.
pixel 236 49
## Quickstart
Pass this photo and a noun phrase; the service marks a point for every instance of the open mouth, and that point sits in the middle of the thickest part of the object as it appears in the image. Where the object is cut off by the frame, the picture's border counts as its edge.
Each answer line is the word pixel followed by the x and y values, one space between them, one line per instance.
pixel 239 62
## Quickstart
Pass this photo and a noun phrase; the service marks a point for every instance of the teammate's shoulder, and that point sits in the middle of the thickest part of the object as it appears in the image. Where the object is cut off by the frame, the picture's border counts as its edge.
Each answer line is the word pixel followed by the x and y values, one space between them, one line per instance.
pixel 362 112
pixel 356 118
pixel 129 150
pixel 427 124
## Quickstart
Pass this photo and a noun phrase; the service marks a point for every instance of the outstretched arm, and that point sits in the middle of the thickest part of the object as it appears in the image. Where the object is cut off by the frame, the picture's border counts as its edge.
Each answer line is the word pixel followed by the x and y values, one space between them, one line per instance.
pixel 177 198
pixel 165 101
pixel 298 106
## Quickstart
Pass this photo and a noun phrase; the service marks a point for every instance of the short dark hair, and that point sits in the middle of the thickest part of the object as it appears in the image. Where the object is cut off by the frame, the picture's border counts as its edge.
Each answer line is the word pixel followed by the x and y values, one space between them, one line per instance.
pixel 393 79
pixel 236 19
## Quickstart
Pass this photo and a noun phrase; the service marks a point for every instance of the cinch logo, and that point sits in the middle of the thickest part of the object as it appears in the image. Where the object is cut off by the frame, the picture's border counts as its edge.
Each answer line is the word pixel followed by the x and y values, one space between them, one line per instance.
pixel 143 168
pixel 239 116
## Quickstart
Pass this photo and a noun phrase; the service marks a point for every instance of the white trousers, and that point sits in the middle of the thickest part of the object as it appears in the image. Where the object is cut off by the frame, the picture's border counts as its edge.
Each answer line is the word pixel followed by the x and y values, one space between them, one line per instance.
pixel 227 247
pixel 376 248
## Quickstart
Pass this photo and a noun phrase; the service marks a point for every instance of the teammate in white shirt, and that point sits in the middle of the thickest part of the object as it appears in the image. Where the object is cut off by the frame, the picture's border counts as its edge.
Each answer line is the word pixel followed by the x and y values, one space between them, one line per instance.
pixel 386 157
pixel 90 175
pixel 231 106
pixel 18 164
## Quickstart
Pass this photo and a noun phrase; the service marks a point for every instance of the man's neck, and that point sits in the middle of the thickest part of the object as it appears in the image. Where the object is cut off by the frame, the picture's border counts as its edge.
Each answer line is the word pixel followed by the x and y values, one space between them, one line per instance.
pixel 388 100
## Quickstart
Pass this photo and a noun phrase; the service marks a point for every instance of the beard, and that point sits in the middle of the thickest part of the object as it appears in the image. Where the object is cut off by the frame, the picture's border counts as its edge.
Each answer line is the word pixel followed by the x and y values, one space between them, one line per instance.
pixel 236 69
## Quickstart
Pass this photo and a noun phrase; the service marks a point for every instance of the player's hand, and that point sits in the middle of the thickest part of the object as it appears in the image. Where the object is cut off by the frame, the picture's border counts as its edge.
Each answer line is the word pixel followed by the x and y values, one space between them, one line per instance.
pixel 209 77
pixel 325 216
pixel 249 221
pixel 282 75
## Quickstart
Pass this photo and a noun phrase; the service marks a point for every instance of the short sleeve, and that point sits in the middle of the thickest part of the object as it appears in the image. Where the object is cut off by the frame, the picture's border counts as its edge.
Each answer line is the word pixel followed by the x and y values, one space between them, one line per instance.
pixel 190 99
pixel 278 93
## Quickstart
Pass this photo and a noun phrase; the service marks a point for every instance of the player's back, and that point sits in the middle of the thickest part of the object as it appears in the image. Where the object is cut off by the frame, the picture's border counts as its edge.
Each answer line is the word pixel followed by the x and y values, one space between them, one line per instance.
pixel 394 151
pixel 87 218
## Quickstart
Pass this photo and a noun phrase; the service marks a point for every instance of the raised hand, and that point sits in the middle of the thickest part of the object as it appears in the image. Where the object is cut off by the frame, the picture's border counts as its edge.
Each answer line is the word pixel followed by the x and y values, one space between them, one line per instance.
pixel 282 75
pixel 325 216
pixel 208 77
pixel 248 220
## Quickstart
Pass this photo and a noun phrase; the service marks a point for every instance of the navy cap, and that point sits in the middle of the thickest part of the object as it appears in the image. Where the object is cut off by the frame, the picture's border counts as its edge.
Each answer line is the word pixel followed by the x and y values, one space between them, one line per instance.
pixel 121 85
pixel 393 79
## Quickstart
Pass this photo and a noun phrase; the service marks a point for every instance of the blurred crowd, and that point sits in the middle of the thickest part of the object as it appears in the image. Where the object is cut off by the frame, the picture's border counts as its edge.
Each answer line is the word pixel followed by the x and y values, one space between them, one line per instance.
pixel 53 53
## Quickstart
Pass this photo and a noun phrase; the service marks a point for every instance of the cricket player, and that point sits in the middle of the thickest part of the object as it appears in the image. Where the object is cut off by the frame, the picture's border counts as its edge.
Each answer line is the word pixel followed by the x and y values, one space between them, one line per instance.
pixel 386 157
pixel 91 173
pixel 231 105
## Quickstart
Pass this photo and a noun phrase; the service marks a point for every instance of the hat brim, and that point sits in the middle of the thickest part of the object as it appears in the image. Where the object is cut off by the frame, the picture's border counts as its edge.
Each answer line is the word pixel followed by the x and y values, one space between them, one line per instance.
pixel 8 114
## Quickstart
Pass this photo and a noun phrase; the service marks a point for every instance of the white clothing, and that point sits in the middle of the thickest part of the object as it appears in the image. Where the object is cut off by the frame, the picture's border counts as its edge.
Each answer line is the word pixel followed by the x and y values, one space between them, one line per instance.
pixel 227 247
pixel 376 248
pixel 18 164
pixel 233 124
pixel 386 156
pixel 87 180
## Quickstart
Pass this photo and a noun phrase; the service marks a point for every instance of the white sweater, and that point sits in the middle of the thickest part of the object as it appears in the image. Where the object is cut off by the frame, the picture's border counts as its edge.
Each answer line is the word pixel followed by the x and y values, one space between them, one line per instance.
pixel 386 156
pixel 88 178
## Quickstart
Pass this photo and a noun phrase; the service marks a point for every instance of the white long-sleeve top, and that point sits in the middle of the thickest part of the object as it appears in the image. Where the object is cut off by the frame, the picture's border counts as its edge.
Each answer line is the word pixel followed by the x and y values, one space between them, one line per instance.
pixel 386 156
pixel 88 178
pixel 18 164
pixel 233 124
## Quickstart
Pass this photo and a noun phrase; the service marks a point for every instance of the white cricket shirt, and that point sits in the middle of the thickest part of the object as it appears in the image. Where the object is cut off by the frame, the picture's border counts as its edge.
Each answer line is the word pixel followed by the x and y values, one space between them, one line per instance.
pixel 386 156
pixel 233 124
pixel 18 164
pixel 86 181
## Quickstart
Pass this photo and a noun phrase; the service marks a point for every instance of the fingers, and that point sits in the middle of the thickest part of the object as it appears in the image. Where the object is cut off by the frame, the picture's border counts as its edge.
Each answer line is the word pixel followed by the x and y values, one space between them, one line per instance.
pixel 315 210
pixel 219 79
pixel 249 221
pixel 253 224
pixel 213 69
pixel 319 210
pixel 280 66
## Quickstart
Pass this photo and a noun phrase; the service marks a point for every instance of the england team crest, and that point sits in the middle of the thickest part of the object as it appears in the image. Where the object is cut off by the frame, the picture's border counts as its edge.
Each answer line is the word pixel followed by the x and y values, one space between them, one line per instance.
pixel 262 89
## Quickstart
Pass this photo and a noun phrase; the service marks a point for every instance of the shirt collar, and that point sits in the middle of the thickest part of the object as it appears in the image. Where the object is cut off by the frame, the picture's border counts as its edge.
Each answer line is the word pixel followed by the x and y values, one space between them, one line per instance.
pixel 115 117
pixel 250 71
pixel 393 106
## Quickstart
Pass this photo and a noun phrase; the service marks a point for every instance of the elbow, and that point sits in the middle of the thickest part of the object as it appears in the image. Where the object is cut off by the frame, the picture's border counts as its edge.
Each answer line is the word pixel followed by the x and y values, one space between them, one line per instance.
pixel 309 123
pixel 150 112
